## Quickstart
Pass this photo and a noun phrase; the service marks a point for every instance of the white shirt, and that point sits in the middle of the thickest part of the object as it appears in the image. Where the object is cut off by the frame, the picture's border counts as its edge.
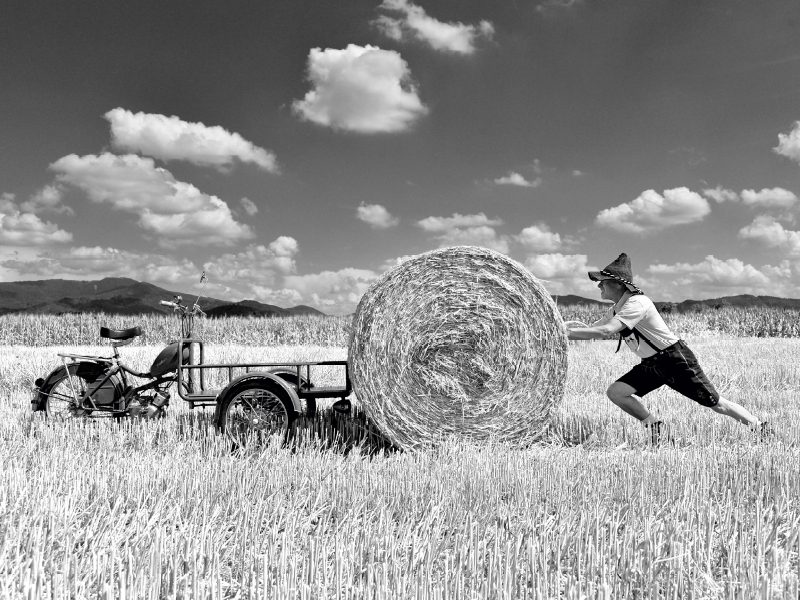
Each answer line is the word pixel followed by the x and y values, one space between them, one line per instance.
pixel 640 312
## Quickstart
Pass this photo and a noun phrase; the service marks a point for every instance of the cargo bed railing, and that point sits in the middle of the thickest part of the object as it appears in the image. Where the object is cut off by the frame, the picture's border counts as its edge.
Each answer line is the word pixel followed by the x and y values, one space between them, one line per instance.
pixel 194 373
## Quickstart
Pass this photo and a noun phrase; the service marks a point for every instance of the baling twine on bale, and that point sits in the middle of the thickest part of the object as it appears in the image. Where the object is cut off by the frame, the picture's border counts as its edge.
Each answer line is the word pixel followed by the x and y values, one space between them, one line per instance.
pixel 458 341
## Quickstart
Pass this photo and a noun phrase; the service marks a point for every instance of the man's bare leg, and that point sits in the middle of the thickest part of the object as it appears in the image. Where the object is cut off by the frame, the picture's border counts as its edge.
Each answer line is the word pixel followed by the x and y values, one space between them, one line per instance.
pixel 735 411
pixel 621 394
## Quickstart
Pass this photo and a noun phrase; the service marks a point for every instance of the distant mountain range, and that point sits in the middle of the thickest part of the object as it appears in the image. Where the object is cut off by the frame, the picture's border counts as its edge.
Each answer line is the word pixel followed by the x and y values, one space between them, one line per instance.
pixel 745 300
pixel 120 295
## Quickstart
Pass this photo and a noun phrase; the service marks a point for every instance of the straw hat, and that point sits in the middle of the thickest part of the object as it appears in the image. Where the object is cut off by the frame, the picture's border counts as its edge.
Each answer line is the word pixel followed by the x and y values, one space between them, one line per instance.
pixel 620 270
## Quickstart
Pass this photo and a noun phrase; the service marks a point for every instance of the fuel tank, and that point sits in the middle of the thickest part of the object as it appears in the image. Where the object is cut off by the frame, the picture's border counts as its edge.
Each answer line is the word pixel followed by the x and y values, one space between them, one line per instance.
pixel 167 360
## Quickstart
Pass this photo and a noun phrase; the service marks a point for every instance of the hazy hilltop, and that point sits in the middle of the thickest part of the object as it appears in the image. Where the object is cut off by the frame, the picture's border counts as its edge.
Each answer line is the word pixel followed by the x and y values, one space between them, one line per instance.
pixel 743 300
pixel 120 295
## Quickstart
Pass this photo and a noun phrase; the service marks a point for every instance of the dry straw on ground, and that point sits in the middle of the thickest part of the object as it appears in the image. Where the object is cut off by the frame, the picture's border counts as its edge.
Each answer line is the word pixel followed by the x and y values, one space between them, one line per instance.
pixel 461 341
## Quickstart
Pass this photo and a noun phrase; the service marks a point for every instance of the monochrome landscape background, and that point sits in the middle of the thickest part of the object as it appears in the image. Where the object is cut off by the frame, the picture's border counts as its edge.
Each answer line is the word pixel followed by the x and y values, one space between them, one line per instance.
pixel 124 296
pixel 295 151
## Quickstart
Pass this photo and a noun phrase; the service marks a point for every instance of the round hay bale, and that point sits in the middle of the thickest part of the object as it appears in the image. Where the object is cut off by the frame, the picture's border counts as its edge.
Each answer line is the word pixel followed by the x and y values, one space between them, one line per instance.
pixel 458 341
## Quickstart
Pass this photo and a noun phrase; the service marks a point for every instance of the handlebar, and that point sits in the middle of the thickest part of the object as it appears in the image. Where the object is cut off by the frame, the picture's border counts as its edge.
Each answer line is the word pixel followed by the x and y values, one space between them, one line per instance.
pixel 187 314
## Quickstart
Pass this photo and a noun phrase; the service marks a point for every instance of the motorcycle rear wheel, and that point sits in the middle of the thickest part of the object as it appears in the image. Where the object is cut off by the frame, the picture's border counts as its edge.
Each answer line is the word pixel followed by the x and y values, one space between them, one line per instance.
pixel 256 412
pixel 63 398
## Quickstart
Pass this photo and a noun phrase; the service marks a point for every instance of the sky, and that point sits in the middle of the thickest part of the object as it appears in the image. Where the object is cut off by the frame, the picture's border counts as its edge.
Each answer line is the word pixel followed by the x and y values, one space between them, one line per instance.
pixel 295 150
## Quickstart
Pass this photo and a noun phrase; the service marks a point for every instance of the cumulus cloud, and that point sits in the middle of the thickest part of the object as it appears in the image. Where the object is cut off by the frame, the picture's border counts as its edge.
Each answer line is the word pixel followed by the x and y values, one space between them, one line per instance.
pixel 19 228
pixel 390 263
pixel 720 194
pixel 332 291
pixel 414 21
pixel 170 138
pixel 249 206
pixel 177 212
pixel 282 297
pixel 552 5
pixel 47 199
pixel 360 89
pixel 516 179
pixel 466 230
pixel 563 273
pixel 257 272
pixel 714 273
pixel 713 277
pixel 256 269
pixel 284 246
pixel 539 238
pixel 772 198
pixel 767 231
pixel 789 143
pixel 376 215
pixel 88 262
pixel 652 211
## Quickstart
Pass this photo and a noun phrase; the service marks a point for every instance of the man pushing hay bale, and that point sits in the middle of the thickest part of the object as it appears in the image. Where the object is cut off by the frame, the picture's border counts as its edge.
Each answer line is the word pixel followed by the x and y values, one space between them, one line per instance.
pixel 459 341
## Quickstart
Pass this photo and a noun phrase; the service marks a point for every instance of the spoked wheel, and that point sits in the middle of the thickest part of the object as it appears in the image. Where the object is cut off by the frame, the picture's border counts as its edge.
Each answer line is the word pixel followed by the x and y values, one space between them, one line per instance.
pixel 256 412
pixel 63 398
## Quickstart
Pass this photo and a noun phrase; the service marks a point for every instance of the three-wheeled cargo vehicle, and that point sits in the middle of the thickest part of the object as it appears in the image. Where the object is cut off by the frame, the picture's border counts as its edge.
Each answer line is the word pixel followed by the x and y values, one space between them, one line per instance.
pixel 250 399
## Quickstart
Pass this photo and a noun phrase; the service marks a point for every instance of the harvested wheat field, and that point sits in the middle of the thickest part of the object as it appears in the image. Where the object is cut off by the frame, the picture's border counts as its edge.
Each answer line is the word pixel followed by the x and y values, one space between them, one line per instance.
pixel 93 509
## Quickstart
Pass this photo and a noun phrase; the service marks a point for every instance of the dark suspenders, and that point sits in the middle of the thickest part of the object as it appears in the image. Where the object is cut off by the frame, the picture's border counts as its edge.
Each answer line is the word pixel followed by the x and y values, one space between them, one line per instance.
pixel 638 335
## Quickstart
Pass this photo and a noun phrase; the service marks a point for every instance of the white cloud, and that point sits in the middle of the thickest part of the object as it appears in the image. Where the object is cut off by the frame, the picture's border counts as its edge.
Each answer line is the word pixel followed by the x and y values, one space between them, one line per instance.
pixel 466 230
pixel 284 246
pixel 712 278
pixel 577 173
pixel 332 291
pixel 767 231
pixel 449 37
pixel 713 273
pixel 47 199
pixel 552 5
pixel 376 215
pixel 720 194
pixel 652 211
pixel 563 273
pixel 539 238
pixel 282 297
pixel 557 266
pixel 774 198
pixel 443 224
pixel 170 138
pixel 18 228
pixel 391 28
pixel 361 89
pixel 175 211
pixel 96 263
pixel 789 143
pixel 249 206
pixel 255 270
pixel 516 179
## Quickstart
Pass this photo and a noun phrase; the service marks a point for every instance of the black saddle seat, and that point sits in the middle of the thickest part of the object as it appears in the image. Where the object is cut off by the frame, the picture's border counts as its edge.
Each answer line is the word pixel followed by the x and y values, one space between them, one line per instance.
pixel 120 334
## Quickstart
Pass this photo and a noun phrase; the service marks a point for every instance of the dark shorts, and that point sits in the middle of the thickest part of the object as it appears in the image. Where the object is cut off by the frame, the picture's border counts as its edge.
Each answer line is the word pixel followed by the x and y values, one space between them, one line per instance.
pixel 676 367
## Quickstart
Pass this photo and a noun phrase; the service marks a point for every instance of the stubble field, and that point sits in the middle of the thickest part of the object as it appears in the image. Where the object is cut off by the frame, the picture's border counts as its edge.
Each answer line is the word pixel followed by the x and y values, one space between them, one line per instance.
pixel 166 510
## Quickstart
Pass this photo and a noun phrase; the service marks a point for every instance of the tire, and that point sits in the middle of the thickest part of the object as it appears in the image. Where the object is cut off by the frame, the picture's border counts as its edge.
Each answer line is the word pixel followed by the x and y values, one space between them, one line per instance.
pixel 61 401
pixel 291 377
pixel 256 412
pixel 61 394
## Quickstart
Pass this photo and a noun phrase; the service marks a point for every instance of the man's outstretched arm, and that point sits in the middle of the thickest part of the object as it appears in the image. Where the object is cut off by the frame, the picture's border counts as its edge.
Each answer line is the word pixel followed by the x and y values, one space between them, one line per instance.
pixel 596 332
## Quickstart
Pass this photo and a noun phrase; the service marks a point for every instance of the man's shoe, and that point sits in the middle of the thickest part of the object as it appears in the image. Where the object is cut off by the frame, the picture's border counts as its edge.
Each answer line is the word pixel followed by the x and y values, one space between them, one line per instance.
pixel 659 434
pixel 765 432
